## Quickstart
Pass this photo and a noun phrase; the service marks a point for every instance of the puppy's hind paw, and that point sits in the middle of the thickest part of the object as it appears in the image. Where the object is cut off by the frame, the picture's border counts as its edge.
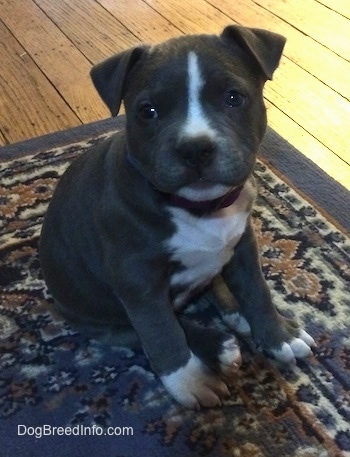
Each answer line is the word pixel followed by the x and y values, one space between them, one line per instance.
pixel 237 322
pixel 230 358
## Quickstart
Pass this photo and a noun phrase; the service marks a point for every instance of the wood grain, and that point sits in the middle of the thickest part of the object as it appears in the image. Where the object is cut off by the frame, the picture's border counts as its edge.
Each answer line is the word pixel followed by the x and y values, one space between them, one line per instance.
pixel 29 104
pixel 311 147
pixel 321 112
pixel 83 27
pixel 2 139
pixel 144 21
pixel 321 23
pixel 340 6
pixel 57 57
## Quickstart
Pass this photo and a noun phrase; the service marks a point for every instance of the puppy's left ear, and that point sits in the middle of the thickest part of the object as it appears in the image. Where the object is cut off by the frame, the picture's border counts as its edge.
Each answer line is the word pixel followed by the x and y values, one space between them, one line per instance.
pixel 266 47
pixel 110 76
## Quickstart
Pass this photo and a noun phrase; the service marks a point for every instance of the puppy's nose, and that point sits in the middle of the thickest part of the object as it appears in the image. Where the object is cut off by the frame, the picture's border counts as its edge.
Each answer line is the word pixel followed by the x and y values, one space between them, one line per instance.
pixel 197 152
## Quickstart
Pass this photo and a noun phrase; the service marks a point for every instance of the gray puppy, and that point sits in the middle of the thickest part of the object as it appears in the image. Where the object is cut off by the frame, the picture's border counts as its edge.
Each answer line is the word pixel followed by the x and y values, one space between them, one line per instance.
pixel 150 217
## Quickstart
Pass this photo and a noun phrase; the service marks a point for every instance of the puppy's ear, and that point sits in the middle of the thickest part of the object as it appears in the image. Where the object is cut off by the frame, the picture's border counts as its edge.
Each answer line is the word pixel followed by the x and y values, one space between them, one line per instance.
pixel 109 76
pixel 266 47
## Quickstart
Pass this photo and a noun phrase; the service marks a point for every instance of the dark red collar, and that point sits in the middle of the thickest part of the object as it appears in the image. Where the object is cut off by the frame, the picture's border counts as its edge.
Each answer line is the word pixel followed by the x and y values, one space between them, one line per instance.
pixel 205 206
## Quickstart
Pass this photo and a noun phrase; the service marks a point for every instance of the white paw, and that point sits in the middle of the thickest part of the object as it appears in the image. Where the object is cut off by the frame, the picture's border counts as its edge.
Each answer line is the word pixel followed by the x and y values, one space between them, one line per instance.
pixel 230 357
pixel 237 322
pixel 194 385
pixel 298 348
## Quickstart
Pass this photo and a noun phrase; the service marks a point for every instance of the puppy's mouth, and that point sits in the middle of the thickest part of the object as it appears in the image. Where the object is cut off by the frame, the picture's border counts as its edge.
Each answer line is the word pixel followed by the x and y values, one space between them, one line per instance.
pixel 203 198
pixel 203 190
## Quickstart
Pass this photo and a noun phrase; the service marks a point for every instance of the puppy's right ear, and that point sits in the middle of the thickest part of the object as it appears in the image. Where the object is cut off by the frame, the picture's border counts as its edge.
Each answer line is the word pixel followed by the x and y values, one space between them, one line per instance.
pixel 264 46
pixel 109 76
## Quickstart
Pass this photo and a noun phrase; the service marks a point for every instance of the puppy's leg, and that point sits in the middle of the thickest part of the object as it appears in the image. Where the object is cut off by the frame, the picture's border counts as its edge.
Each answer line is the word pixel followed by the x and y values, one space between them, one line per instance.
pixel 271 332
pixel 218 352
pixel 183 374
pixel 228 307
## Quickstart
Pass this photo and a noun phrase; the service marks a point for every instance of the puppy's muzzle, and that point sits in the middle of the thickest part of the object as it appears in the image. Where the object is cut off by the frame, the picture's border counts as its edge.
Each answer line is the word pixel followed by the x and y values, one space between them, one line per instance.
pixel 197 153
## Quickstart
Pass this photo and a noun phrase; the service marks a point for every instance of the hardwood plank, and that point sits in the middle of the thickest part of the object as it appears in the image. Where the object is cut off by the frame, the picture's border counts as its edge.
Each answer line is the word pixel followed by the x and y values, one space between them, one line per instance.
pixel 60 61
pixel 319 110
pixel 3 140
pixel 340 6
pixel 321 62
pixel 316 20
pixel 193 16
pixel 101 35
pixel 30 105
pixel 310 146
pixel 145 22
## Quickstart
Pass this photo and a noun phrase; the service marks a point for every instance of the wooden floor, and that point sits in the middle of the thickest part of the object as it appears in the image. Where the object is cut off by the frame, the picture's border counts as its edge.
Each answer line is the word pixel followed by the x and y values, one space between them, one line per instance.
pixel 47 48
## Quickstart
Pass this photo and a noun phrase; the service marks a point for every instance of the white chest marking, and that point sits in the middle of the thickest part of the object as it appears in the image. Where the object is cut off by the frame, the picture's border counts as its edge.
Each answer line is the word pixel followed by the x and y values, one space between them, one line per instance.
pixel 203 245
pixel 196 123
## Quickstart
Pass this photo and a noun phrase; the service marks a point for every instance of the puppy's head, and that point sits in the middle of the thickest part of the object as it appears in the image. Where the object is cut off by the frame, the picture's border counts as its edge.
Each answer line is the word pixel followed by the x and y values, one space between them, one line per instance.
pixel 194 105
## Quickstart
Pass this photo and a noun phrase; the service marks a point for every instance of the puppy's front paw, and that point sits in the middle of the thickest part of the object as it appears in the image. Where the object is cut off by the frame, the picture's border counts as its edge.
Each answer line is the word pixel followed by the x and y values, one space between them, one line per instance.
pixel 284 340
pixel 194 385
pixel 298 348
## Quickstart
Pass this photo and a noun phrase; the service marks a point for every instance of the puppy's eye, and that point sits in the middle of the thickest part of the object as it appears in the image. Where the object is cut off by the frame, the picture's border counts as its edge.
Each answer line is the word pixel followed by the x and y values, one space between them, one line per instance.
pixel 234 99
pixel 148 111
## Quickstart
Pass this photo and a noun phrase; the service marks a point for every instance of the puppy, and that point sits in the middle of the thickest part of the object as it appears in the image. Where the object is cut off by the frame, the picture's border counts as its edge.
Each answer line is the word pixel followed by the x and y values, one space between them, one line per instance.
pixel 156 213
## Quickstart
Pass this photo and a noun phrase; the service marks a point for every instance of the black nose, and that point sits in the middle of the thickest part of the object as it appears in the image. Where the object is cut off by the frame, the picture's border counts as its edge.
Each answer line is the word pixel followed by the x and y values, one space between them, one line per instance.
pixel 197 152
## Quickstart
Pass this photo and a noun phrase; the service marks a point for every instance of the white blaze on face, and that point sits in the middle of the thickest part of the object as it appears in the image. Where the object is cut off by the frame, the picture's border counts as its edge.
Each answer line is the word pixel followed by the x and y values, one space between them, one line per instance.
pixel 197 123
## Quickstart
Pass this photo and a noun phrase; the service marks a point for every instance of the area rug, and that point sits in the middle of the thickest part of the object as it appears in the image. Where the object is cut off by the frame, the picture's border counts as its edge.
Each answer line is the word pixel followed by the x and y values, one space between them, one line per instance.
pixel 62 394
